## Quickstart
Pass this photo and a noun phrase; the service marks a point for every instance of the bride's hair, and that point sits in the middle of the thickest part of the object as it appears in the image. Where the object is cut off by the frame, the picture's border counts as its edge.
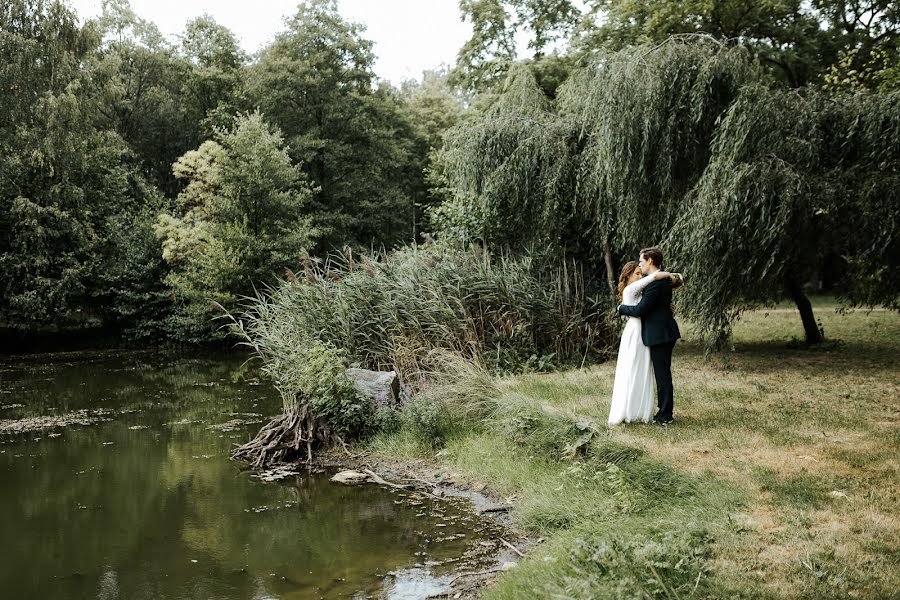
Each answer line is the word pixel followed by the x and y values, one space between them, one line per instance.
pixel 627 270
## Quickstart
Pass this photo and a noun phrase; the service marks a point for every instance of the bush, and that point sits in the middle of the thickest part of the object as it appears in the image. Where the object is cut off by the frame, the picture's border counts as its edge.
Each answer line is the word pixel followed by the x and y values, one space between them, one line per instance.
pixel 315 373
pixel 320 405
pixel 334 400
pixel 457 396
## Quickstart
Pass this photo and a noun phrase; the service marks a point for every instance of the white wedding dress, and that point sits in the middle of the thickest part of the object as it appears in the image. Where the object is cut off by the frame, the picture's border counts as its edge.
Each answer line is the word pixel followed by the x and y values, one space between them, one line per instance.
pixel 632 398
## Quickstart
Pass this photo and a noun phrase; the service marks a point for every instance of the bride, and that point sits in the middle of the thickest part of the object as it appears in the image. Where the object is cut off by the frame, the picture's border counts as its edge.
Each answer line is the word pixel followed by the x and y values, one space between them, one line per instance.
pixel 632 398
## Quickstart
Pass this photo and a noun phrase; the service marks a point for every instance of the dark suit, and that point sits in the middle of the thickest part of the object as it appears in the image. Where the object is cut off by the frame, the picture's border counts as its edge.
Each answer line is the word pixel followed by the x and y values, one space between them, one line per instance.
pixel 659 332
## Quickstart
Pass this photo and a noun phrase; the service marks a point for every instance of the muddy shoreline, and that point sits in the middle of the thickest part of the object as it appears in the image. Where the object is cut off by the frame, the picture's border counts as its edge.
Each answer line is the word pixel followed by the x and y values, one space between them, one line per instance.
pixel 432 479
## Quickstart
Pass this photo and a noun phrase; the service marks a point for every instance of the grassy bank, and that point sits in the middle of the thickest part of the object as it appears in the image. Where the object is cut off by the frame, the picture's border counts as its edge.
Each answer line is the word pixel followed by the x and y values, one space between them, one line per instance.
pixel 779 478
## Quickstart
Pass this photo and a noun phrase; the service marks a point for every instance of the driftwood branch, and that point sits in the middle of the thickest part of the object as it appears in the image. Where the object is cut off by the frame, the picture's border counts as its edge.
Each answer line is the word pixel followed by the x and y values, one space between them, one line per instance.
pixel 511 547
pixel 381 481
pixel 488 572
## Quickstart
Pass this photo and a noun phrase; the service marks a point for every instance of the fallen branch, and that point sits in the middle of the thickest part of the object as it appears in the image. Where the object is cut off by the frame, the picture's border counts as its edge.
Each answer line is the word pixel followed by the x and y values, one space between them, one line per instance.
pixel 493 509
pixel 426 482
pixel 511 547
pixel 378 479
pixel 488 572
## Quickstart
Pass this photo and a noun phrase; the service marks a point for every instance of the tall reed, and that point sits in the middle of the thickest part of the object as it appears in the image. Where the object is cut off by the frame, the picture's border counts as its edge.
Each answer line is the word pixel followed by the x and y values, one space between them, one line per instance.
pixel 397 310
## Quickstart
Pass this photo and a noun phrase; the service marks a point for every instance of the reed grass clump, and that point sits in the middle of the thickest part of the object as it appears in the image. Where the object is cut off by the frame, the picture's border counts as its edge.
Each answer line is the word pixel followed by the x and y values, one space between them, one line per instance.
pixel 456 398
pixel 395 310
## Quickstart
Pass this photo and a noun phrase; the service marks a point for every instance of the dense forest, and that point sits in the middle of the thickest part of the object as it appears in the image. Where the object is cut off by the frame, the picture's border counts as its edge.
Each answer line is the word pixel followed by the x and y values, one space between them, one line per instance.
pixel 146 183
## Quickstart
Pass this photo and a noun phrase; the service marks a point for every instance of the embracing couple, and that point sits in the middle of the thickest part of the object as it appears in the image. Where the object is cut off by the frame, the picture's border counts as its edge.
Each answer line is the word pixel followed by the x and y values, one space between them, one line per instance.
pixel 645 297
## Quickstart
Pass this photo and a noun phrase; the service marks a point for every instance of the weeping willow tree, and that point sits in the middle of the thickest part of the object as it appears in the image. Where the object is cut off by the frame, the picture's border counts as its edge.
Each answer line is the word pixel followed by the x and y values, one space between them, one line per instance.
pixel 647 116
pixel 793 178
pixel 862 134
pixel 604 168
pixel 513 168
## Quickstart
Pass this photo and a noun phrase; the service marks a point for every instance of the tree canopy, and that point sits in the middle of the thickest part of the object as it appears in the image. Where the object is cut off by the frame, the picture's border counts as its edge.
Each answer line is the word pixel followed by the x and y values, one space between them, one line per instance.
pixel 62 178
pixel 97 114
pixel 625 138
pixel 686 144
pixel 315 82
pixel 795 179
pixel 799 43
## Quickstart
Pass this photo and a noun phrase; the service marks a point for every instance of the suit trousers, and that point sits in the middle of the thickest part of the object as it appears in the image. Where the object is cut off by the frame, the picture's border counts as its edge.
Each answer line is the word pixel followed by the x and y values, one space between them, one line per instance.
pixel 661 357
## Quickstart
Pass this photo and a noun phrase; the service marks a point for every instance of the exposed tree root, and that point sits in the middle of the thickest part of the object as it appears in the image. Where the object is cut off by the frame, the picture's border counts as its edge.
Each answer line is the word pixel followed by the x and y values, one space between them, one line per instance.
pixel 285 438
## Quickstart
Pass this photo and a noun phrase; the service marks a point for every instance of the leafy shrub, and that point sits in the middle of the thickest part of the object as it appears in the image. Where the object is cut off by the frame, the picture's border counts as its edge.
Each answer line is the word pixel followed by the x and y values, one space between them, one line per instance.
pixel 458 395
pixel 314 373
pixel 427 419
pixel 333 397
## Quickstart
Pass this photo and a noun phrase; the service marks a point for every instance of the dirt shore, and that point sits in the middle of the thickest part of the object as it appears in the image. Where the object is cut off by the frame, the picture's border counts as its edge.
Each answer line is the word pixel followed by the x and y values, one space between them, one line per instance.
pixel 423 477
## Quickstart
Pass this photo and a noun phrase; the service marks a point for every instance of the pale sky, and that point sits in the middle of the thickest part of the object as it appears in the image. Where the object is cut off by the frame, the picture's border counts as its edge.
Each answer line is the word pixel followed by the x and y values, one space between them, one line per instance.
pixel 410 36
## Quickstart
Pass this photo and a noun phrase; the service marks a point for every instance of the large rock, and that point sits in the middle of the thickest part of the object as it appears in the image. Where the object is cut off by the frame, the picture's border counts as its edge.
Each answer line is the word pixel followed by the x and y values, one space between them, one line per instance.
pixel 379 386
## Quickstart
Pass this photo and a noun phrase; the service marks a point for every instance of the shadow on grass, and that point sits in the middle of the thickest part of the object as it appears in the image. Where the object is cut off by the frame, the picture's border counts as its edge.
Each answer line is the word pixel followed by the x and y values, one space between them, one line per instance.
pixel 800 490
pixel 788 355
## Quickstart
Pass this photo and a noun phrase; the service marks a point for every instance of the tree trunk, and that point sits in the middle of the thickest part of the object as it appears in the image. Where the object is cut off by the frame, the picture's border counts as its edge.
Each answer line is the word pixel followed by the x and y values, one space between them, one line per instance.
pixel 810 328
pixel 610 273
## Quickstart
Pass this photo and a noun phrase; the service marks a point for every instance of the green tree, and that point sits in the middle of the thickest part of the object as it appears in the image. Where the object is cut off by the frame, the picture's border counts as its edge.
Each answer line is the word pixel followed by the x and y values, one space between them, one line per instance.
pixel 682 144
pixel 138 82
pixel 315 81
pixel 798 40
pixel 240 219
pixel 62 179
pixel 647 116
pixel 794 179
pixel 129 288
pixel 864 35
pixel 485 58
pixel 513 167
pixel 432 106
pixel 214 90
pixel 880 72
pixel 603 169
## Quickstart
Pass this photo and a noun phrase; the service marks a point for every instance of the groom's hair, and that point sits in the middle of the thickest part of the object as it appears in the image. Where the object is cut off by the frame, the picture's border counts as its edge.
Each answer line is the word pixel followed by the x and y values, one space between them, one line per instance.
pixel 654 255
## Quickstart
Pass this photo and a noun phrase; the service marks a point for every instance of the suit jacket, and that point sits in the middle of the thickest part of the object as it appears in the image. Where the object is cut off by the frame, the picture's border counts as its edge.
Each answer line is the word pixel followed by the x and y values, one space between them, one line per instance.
pixel 658 326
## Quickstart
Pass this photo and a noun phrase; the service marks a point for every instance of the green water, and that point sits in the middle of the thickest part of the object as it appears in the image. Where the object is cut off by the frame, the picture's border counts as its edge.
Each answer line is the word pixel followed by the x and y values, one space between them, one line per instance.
pixel 147 504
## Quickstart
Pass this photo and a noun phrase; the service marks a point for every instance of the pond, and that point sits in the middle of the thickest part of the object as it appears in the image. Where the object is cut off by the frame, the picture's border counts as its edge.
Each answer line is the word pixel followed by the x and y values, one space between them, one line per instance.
pixel 137 498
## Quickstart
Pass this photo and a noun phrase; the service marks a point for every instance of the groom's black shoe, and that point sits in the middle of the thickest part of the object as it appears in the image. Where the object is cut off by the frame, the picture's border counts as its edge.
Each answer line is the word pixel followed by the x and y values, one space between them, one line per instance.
pixel 663 420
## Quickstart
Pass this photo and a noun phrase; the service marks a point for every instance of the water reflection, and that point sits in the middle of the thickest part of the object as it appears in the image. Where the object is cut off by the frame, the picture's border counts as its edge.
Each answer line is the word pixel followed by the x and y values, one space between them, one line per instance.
pixel 412 584
pixel 148 505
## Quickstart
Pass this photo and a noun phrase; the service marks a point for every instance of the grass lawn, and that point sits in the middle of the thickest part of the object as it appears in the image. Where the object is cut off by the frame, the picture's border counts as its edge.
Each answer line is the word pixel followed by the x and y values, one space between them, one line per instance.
pixel 780 477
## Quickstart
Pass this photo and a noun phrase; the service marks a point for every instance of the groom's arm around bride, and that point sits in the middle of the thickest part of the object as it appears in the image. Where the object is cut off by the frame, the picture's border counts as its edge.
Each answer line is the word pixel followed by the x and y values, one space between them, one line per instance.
pixel 659 331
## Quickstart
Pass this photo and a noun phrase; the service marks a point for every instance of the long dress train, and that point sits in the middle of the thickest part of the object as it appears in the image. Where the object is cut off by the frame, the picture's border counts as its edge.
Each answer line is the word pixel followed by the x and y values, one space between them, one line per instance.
pixel 632 398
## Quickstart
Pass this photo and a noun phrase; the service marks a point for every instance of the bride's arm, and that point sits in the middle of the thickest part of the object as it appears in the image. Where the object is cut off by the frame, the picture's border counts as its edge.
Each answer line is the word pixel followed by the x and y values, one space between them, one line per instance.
pixel 675 279
pixel 640 284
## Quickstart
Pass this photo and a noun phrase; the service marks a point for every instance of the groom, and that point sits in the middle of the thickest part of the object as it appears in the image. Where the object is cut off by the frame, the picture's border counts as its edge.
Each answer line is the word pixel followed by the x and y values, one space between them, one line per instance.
pixel 659 330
